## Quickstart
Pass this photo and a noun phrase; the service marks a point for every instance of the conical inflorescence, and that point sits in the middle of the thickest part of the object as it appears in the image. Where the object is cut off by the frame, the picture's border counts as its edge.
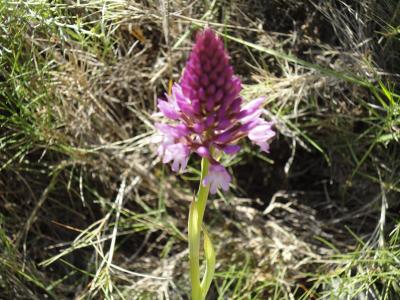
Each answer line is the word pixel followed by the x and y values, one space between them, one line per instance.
pixel 206 115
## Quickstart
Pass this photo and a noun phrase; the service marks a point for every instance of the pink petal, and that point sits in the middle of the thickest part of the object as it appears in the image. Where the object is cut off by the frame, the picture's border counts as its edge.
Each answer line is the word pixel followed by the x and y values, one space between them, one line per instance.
pixel 168 110
pixel 254 104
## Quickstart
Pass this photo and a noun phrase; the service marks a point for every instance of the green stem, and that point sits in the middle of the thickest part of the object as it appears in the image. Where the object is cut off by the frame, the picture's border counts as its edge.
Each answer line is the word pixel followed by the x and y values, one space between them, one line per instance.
pixel 194 252
pixel 202 194
pixel 196 215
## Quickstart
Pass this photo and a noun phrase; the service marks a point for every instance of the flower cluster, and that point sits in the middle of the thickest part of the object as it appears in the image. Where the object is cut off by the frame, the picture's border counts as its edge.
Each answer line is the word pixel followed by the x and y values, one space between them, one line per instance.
pixel 206 115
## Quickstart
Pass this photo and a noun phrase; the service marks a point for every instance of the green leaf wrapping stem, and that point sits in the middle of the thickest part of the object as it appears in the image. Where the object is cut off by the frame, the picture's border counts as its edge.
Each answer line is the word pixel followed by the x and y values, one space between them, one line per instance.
pixel 196 214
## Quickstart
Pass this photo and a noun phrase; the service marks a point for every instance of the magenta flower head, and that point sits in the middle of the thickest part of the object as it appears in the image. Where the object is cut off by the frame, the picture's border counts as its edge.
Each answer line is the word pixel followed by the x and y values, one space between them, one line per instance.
pixel 205 114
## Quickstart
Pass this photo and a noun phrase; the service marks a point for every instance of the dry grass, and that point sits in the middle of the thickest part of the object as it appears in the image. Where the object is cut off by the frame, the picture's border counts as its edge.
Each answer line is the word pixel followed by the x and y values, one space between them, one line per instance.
pixel 87 211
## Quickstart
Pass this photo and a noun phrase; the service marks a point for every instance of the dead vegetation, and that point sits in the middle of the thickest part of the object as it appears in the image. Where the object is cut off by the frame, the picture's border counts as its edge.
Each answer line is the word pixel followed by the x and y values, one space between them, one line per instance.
pixel 87 211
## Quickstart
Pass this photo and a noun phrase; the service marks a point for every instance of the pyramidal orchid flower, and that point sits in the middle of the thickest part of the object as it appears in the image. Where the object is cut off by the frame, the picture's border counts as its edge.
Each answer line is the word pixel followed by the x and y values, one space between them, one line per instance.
pixel 205 113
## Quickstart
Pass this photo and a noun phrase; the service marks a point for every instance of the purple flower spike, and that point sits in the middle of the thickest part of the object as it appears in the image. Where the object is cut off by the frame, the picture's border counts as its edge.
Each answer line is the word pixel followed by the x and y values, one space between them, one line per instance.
pixel 204 113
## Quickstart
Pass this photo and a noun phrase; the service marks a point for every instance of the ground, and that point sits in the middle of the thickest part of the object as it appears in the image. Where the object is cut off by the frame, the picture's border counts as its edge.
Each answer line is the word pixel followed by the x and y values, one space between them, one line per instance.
pixel 88 211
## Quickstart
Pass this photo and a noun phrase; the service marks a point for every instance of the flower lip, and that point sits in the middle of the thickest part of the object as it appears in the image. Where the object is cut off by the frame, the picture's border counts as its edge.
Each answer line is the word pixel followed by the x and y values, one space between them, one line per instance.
pixel 178 154
pixel 217 177
pixel 261 134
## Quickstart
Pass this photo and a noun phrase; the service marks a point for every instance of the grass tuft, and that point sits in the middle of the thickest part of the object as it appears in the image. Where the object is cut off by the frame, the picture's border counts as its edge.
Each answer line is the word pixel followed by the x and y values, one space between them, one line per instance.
pixel 87 211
